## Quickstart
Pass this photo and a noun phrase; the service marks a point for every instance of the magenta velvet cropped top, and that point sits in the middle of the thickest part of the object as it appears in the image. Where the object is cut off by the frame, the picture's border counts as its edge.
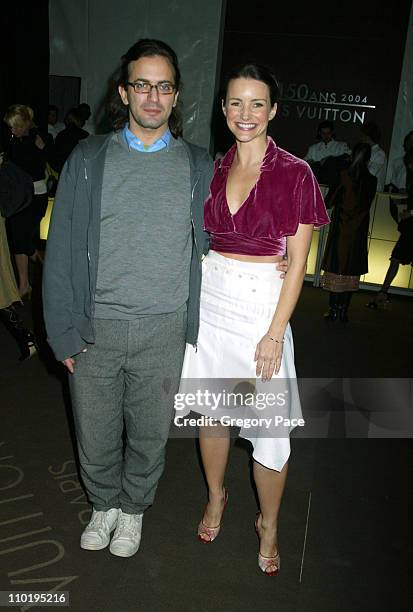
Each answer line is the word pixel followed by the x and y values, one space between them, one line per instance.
pixel 285 195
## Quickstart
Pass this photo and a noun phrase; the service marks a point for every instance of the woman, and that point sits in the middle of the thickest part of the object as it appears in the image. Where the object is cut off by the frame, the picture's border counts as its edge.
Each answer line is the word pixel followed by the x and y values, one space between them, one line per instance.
pixel 402 253
pixel 10 195
pixel 345 256
pixel 28 150
pixel 263 201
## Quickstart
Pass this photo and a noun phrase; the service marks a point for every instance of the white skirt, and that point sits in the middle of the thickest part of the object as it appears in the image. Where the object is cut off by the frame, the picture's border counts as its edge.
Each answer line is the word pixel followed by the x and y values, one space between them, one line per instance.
pixel 238 301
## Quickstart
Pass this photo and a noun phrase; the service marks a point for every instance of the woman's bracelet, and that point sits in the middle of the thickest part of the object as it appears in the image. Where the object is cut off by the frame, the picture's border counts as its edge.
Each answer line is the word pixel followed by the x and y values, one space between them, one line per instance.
pixel 276 340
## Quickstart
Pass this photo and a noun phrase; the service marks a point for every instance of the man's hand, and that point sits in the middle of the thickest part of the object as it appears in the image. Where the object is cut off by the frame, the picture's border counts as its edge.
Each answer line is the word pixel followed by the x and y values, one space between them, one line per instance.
pixel 69 363
pixel 282 266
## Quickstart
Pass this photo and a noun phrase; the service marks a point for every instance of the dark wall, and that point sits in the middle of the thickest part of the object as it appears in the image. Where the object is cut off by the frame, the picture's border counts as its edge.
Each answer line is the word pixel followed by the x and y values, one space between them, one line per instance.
pixel 328 59
pixel 24 47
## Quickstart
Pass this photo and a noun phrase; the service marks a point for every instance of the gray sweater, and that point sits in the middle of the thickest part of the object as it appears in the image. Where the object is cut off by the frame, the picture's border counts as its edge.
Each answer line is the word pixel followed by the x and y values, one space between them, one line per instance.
pixel 145 232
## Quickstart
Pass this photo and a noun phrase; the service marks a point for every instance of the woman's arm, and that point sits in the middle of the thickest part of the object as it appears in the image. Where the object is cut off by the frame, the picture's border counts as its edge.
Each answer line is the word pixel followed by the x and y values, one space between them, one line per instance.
pixel 269 350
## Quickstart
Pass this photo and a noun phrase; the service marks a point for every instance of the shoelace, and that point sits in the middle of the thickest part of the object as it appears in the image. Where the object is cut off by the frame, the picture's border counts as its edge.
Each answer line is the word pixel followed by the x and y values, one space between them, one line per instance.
pixel 128 525
pixel 98 520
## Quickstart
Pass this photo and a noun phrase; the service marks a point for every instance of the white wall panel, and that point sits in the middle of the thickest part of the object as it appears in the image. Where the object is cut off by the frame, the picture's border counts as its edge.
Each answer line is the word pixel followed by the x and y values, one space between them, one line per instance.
pixel 88 37
pixel 403 119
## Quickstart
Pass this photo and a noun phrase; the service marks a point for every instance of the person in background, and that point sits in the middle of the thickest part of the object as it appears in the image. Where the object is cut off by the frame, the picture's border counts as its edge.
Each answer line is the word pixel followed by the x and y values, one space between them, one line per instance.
pixel 345 256
pixel 85 114
pixel 402 253
pixel 68 138
pixel 53 125
pixel 29 149
pixel 370 134
pixel 327 145
pixel 399 176
pixel 11 195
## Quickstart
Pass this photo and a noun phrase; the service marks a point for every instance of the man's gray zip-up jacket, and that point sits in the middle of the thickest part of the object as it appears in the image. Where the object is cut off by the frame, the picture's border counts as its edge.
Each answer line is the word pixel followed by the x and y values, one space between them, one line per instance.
pixel 70 268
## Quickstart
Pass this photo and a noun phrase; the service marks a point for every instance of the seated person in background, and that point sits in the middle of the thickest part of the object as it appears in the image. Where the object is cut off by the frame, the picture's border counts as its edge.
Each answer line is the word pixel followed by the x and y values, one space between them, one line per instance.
pixel 328 146
pixel 370 134
pixel 398 174
pixel 54 126
pixel 68 138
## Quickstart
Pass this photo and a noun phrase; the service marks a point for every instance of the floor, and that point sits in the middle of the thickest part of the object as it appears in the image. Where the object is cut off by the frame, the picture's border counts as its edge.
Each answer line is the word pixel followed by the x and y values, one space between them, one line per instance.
pixel 345 525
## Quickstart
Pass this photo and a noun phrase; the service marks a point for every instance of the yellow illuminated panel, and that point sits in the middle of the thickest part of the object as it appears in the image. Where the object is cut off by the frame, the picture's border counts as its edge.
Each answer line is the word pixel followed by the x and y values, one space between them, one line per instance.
pixel 312 256
pixel 372 214
pixel 44 223
pixel 379 253
pixel 382 225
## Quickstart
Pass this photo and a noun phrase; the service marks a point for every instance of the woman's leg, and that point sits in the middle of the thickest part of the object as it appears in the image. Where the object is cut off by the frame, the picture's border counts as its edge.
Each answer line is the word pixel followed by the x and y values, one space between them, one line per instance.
pixel 270 486
pixel 390 276
pixel 23 336
pixel 345 304
pixel 22 265
pixel 214 444
pixel 333 302
pixel 381 296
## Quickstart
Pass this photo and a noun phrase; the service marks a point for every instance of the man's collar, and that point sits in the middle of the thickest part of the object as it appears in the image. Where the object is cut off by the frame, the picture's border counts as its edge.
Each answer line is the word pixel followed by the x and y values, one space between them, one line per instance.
pixel 134 142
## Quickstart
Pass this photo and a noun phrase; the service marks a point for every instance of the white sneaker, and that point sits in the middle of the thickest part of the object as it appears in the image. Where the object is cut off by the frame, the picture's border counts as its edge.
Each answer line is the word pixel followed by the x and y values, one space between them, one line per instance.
pixel 127 537
pixel 97 534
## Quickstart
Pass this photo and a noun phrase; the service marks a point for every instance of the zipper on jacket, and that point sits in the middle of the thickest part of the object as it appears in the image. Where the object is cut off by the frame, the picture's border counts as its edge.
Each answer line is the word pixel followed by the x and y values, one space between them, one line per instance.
pixel 192 218
pixel 195 345
pixel 193 188
pixel 91 300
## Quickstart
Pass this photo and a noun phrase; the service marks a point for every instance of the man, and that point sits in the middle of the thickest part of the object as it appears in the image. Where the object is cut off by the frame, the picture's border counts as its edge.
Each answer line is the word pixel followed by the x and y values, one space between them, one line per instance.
pixel 370 133
pixel 85 115
pixel 68 138
pixel 327 145
pixel 121 289
pixel 54 126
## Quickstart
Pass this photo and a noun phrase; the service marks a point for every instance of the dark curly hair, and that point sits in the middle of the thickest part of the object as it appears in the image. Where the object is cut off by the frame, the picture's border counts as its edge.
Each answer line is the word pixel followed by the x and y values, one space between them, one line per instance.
pixel 145 47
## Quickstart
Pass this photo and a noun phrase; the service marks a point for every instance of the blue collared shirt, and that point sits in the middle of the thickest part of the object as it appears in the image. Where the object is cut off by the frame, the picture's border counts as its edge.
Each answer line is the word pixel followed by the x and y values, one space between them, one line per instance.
pixel 134 142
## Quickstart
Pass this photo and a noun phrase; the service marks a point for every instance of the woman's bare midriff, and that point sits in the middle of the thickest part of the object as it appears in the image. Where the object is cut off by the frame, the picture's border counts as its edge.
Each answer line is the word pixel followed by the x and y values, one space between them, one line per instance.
pixel 253 258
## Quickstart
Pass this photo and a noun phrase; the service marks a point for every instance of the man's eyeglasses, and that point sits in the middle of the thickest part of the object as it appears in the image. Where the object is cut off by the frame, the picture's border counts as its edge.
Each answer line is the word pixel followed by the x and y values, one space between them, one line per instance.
pixel 164 88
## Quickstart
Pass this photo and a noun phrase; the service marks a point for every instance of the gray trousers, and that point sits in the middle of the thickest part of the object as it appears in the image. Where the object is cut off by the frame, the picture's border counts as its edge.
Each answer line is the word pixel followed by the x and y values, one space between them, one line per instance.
pixel 122 395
